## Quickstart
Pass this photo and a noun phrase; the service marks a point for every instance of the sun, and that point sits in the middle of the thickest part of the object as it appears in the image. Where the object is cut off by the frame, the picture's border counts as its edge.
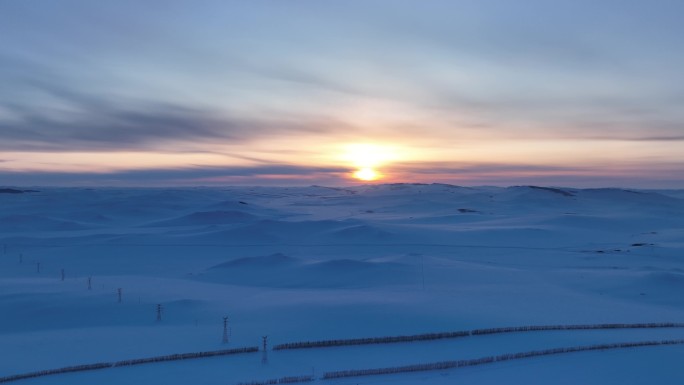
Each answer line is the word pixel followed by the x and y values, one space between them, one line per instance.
pixel 367 158
pixel 367 174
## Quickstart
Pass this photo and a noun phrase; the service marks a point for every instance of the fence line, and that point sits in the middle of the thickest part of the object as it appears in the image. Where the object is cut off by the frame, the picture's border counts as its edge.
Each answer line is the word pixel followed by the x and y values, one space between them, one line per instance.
pixel 491 359
pixel 282 380
pixel 186 356
pixel 103 365
pixel 467 333
pixel 378 340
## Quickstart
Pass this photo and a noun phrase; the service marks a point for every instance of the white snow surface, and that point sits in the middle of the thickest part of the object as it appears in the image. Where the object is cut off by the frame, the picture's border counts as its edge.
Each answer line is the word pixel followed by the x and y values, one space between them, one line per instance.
pixel 315 263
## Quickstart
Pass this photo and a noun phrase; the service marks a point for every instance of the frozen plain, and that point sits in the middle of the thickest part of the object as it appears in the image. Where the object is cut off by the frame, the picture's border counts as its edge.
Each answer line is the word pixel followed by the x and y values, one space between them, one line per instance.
pixel 316 263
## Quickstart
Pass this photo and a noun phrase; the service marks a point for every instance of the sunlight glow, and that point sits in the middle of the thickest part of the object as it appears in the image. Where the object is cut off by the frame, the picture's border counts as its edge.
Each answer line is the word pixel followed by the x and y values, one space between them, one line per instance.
pixel 366 158
pixel 367 174
pixel 367 155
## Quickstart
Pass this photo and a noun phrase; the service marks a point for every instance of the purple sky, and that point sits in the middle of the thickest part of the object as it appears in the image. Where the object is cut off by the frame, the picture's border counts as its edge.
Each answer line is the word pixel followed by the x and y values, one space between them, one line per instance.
pixel 153 93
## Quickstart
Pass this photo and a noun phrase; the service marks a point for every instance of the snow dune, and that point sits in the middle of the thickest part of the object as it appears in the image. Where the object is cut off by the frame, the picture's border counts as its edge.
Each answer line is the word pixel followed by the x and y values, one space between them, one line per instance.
pixel 316 263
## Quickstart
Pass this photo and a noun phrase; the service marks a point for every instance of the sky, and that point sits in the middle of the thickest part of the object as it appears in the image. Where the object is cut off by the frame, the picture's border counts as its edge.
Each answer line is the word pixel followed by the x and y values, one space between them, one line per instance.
pixel 297 92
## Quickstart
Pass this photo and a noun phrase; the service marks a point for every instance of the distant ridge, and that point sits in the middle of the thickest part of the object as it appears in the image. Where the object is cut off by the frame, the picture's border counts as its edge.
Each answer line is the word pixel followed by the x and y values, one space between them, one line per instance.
pixel 549 189
pixel 15 191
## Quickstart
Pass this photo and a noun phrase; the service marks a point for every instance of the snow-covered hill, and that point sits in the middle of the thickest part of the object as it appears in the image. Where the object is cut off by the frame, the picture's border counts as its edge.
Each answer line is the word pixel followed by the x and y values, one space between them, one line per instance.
pixel 317 263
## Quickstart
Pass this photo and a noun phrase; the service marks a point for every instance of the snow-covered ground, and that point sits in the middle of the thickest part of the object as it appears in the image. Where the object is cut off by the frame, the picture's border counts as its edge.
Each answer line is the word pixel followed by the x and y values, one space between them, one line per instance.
pixel 319 263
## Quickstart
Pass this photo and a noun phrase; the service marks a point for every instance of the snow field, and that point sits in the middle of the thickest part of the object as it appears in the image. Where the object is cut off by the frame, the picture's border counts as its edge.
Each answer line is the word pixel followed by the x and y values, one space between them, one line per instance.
pixel 301 264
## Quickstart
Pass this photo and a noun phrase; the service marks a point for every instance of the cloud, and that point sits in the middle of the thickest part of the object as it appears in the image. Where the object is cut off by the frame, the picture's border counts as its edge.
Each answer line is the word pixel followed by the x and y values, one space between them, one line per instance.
pixel 197 175
pixel 661 138
pixel 110 129
pixel 666 175
pixel 85 122
pixel 661 175
pixel 670 176
pixel 459 168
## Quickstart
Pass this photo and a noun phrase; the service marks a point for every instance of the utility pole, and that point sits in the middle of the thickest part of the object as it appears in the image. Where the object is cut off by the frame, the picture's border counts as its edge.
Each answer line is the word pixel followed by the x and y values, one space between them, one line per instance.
pixel 118 291
pixel 264 356
pixel 225 330
pixel 422 270
pixel 159 312
pixel 90 283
